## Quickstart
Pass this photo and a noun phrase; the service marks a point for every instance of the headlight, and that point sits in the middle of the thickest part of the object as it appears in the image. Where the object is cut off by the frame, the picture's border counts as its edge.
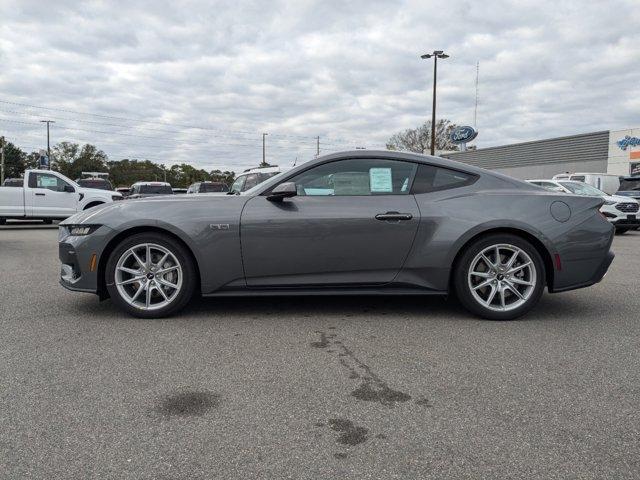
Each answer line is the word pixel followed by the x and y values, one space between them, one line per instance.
pixel 609 202
pixel 81 230
pixel 116 197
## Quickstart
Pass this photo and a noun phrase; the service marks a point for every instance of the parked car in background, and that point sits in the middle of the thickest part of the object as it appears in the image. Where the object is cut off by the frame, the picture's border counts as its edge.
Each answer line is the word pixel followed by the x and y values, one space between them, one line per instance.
pixel 178 191
pixel 208 187
pixel 606 182
pixel 252 177
pixel 149 189
pixel 124 191
pixel 48 195
pixel 621 211
pixel 13 182
pixel 97 183
pixel 359 222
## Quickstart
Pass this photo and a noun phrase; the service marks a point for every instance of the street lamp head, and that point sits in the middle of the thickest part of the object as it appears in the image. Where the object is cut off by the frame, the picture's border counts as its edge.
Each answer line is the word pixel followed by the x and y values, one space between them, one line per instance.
pixel 444 55
pixel 438 52
pixel 426 55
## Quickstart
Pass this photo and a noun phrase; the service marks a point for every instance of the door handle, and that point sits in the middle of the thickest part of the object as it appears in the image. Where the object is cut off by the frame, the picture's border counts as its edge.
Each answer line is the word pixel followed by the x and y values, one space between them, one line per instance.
pixel 393 216
pixel 40 194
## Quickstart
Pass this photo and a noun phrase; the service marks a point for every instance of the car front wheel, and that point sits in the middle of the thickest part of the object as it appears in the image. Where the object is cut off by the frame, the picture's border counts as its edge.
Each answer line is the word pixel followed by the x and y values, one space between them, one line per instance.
pixel 150 275
pixel 500 277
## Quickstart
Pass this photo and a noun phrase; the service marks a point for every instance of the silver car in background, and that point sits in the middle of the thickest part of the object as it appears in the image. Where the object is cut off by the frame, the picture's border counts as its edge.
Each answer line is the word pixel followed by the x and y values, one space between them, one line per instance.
pixel 360 222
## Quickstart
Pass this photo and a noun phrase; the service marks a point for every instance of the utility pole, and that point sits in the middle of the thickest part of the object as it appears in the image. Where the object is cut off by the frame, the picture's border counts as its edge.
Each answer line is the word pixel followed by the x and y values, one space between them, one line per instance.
pixel 1 160
pixel 48 146
pixel 264 157
pixel 436 55
pixel 318 146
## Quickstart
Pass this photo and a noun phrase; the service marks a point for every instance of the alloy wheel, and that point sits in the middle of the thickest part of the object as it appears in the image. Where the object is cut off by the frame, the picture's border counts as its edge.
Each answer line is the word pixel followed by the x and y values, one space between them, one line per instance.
pixel 502 277
pixel 148 276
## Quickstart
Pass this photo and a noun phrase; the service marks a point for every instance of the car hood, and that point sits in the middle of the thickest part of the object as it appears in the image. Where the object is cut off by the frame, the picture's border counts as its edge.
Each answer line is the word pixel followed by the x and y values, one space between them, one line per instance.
pixel 155 209
pixel 629 193
pixel 98 191
pixel 620 198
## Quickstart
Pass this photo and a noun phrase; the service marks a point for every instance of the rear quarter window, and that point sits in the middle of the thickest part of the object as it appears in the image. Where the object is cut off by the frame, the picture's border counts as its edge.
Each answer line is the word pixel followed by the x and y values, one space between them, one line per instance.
pixel 432 179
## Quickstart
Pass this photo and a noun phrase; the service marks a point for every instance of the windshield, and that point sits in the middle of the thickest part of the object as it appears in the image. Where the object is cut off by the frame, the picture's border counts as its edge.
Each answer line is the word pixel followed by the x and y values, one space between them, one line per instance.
pixel 582 189
pixel 213 187
pixel 156 189
pixel 630 184
pixel 95 183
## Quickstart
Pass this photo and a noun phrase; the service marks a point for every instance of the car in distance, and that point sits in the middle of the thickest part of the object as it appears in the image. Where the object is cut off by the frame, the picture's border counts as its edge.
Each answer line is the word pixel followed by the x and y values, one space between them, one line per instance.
pixel 97 183
pixel 178 191
pixel 606 182
pixel 621 211
pixel 48 195
pixel 149 189
pixel 124 191
pixel 208 187
pixel 252 177
pixel 630 187
pixel 13 182
pixel 360 222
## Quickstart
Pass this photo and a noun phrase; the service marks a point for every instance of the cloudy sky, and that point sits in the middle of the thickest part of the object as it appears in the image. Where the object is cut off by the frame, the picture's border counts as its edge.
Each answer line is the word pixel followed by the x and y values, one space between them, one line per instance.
pixel 199 81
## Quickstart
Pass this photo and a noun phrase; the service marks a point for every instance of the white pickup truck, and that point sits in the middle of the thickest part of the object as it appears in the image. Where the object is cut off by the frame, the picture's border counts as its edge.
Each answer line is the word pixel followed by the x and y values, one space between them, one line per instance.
pixel 48 195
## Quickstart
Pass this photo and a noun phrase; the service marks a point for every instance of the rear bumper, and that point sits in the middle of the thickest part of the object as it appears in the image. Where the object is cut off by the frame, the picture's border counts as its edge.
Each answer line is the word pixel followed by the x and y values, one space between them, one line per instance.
pixel 597 276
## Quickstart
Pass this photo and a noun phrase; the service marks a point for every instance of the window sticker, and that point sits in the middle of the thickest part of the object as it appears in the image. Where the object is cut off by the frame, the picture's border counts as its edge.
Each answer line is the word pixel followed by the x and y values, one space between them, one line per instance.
pixel 47 181
pixel 380 179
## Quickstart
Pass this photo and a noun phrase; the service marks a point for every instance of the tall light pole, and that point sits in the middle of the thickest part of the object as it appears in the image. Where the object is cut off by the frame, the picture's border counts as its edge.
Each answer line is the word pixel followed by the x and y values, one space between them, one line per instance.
pixel 264 156
pixel 48 146
pixel 436 55
pixel 1 160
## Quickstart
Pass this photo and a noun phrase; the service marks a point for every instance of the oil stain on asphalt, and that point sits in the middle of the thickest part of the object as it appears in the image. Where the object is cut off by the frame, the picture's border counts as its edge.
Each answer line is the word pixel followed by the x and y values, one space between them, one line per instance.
pixel 188 403
pixel 350 434
pixel 372 388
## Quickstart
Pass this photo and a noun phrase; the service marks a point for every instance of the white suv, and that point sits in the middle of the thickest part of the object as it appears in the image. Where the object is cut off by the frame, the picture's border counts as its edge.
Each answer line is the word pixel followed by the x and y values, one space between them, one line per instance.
pixel 621 211
pixel 252 177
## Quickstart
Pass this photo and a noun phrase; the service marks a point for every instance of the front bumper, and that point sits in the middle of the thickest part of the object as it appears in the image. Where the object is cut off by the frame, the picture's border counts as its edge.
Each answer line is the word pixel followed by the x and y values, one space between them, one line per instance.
pixel 78 270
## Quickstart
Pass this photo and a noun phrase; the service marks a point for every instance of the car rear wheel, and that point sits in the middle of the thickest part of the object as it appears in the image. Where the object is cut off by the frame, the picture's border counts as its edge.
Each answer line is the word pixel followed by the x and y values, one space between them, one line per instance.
pixel 500 277
pixel 150 275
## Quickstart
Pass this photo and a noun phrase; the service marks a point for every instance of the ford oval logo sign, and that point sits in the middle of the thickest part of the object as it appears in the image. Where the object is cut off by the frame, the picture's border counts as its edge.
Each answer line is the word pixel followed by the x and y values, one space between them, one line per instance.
pixel 463 134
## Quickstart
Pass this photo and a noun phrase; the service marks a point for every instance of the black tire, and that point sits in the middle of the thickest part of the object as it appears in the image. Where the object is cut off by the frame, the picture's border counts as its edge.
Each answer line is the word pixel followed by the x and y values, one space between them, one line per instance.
pixel 189 280
pixel 464 264
pixel 622 231
pixel 47 221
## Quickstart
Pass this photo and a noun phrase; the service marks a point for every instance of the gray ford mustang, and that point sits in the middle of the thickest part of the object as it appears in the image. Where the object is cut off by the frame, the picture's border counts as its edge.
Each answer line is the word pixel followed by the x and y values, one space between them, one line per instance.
pixel 363 222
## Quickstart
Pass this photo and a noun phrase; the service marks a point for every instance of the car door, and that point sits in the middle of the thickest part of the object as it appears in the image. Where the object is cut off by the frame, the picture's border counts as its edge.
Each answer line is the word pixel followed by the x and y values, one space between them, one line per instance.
pixel 48 195
pixel 352 223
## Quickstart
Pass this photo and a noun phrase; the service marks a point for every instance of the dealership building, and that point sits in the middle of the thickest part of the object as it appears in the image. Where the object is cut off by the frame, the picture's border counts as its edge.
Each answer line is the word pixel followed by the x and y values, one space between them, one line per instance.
pixel 616 152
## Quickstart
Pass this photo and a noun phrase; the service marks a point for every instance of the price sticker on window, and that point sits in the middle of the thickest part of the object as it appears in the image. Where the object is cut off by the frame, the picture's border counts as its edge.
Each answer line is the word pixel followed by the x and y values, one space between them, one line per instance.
pixel 380 180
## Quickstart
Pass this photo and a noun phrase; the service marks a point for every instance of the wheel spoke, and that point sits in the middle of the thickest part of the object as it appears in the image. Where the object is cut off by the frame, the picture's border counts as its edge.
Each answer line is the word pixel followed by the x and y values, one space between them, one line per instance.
pixel 168 269
pixel 483 284
pixel 498 259
pixel 482 274
pixel 130 271
pixel 148 264
pixel 129 281
pixel 162 260
pixel 148 295
pixel 518 281
pixel 492 295
pixel 138 292
pixel 159 289
pixel 518 268
pixel 138 259
pixel 489 263
pixel 502 301
pixel 515 290
pixel 512 259
pixel 164 282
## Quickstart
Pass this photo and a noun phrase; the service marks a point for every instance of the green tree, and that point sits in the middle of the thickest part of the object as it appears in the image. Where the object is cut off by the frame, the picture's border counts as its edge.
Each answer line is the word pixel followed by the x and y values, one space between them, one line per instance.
pixel 419 139
pixel 71 160
pixel 15 161
pixel 224 177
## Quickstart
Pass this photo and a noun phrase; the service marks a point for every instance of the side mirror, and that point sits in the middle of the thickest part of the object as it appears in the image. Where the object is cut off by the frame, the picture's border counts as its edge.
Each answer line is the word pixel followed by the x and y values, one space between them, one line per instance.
pixel 282 191
pixel 69 189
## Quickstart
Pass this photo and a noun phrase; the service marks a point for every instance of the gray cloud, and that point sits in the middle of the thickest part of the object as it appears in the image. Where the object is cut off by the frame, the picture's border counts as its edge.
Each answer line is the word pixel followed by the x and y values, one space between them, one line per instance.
pixel 347 71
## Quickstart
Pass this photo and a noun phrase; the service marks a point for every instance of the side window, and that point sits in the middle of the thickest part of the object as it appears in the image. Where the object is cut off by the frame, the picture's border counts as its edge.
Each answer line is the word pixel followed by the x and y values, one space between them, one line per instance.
pixel 431 179
pixel 48 181
pixel 365 176
pixel 238 184
pixel 251 181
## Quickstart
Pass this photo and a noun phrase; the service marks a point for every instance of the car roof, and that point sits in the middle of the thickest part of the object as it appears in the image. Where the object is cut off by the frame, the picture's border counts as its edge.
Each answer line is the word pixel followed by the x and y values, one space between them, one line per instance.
pixel 155 184
pixel 392 155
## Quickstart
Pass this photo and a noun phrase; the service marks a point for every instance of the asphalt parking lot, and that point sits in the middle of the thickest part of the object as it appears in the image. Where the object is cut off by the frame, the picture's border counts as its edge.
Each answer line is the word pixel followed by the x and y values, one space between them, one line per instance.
pixel 315 387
